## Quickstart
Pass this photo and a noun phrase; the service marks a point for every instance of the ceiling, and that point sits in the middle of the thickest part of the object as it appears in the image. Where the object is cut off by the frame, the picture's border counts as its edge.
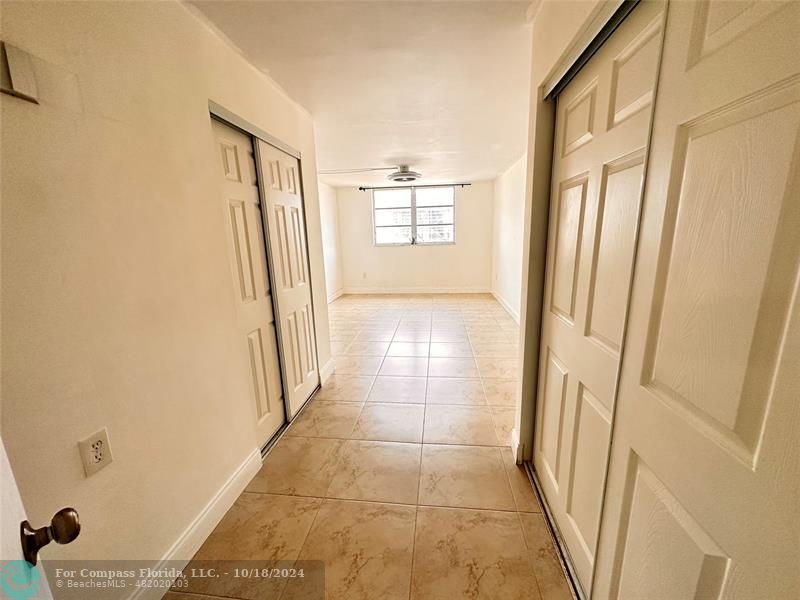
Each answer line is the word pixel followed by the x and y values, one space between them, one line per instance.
pixel 441 86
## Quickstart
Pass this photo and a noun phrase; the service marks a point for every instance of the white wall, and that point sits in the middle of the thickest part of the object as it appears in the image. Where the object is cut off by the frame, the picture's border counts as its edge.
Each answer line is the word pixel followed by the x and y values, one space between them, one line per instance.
pixel 509 225
pixel 118 303
pixel 465 266
pixel 331 244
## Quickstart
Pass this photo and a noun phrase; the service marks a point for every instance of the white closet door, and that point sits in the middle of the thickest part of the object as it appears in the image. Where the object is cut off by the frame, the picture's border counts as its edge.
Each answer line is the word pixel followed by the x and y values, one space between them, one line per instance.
pixel 289 252
pixel 602 126
pixel 703 491
pixel 239 184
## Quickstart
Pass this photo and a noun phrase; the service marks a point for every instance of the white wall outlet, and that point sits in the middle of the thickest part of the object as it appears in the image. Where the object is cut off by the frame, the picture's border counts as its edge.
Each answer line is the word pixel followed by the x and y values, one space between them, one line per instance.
pixel 95 452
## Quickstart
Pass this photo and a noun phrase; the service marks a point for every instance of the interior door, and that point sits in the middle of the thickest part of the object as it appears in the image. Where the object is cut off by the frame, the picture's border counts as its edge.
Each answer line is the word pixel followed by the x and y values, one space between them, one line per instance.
pixel 242 205
pixel 16 576
pixel 602 127
pixel 292 280
pixel 703 487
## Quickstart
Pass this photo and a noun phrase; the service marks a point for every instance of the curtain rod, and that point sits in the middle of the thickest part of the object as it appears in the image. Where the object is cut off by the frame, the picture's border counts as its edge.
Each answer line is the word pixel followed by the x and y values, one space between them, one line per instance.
pixel 402 187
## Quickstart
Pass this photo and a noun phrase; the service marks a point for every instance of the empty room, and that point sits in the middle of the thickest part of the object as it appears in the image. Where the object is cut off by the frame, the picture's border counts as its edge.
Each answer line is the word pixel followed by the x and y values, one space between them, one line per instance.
pixel 399 300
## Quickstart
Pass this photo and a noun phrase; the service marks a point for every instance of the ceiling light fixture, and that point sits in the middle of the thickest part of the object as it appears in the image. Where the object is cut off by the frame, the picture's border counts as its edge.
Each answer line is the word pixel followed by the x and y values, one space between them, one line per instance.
pixel 403 175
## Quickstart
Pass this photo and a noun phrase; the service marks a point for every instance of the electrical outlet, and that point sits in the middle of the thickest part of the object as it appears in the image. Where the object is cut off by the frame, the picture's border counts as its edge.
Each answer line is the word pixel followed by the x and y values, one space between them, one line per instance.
pixel 95 452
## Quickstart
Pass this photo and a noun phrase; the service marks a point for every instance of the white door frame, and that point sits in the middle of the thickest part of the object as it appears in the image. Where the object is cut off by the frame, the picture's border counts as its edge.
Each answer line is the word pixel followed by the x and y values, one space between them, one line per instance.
pixel 224 115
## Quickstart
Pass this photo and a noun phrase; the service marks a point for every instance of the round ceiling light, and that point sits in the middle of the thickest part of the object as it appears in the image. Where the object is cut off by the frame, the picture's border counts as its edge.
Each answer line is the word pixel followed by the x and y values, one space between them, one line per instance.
pixel 403 175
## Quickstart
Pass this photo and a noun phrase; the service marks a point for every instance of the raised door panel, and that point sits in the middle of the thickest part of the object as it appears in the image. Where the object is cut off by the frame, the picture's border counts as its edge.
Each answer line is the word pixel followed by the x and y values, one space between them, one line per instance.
pixel 663 547
pixel 282 245
pixel 242 250
pixel 612 260
pixel 727 260
pixel 567 247
pixel 230 161
pixel 591 435
pixel 300 332
pixel 259 372
pixel 717 24
pixel 274 174
pixel 299 258
pixel 291 179
pixel 633 75
pixel 578 120
pixel 552 414
pixel 307 341
pixel 291 330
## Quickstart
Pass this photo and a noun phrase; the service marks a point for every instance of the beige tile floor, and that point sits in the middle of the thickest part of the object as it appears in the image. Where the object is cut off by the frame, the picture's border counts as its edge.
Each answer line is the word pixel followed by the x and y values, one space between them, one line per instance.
pixel 398 473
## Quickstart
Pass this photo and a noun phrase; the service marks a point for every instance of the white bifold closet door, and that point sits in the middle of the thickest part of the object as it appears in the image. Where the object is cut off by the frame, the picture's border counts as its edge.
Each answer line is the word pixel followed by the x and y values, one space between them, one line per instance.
pixel 703 497
pixel 285 216
pixel 601 134
pixel 251 282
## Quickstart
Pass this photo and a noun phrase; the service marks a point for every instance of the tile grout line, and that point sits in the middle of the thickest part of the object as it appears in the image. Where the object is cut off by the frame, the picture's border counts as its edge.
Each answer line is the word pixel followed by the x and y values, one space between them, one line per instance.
pixel 486 399
pixel 424 410
pixel 393 503
pixel 419 475
pixel 413 550
pixel 308 533
pixel 528 553
pixel 323 437
pixel 410 310
pixel 352 429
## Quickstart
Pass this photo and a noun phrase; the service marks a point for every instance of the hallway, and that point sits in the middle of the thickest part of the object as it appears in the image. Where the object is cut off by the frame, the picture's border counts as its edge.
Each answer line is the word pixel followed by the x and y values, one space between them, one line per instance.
pixel 398 474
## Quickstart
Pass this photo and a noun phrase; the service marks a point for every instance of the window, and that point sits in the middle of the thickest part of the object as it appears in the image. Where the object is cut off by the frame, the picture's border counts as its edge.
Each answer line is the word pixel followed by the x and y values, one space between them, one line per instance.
pixel 413 215
pixel 435 211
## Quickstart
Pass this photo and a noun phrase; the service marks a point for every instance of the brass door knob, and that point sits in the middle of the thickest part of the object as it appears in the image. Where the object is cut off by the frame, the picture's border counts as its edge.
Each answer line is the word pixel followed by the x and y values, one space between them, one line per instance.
pixel 63 529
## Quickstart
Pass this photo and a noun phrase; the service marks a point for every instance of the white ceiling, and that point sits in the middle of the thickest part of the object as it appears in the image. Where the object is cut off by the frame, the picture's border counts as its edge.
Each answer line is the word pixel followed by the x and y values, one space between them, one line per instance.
pixel 441 86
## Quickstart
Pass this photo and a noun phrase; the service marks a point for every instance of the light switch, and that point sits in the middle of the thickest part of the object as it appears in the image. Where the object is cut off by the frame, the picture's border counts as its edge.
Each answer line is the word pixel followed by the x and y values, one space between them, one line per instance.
pixel 16 73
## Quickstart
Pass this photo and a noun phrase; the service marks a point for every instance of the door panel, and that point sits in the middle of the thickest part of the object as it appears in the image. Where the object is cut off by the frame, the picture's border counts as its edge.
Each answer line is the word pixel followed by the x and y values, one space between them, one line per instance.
pixel 29 582
pixel 615 236
pixel 591 434
pixel 288 246
pixel 568 230
pixel 703 480
pixel 251 276
pixel 602 127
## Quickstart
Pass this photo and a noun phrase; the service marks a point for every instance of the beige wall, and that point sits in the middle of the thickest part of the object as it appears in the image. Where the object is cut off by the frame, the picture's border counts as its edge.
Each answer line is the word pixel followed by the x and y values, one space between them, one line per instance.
pixel 465 266
pixel 331 242
pixel 509 212
pixel 556 26
pixel 117 295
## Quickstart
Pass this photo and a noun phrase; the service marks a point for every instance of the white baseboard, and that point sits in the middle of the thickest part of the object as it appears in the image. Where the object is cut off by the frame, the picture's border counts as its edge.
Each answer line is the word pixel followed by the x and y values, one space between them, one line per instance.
pixel 516 447
pixel 327 370
pixel 200 528
pixel 504 303
pixel 334 295
pixel 416 290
